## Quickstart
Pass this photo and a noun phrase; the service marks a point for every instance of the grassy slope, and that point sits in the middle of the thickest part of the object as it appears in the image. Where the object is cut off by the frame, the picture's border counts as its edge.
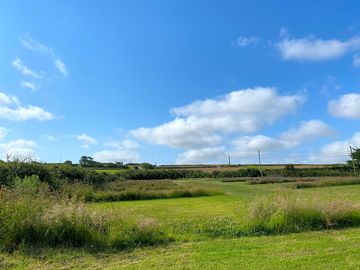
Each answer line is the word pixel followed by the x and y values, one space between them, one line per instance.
pixel 313 250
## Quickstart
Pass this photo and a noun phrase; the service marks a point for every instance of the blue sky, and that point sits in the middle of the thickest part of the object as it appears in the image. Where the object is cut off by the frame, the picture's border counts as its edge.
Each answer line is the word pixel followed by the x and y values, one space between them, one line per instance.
pixel 180 81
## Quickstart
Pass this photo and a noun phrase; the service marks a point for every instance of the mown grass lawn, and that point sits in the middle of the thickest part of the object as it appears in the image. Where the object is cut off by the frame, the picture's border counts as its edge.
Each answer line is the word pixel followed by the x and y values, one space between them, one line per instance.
pixel 332 249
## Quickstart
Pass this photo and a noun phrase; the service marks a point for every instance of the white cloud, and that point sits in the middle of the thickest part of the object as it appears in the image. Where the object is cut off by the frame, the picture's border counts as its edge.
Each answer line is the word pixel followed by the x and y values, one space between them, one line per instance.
pixel 246 41
pixel 308 130
pixel 347 106
pixel 128 144
pixel 61 67
pixel 202 124
pixel 29 85
pixel 11 109
pixel 336 152
pixel 86 140
pixel 246 146
pixel 24 70
pixel 125 156
pixel 313 49
pixel 119 151
pixel 18 148
pixel 356 60
pixel 204 155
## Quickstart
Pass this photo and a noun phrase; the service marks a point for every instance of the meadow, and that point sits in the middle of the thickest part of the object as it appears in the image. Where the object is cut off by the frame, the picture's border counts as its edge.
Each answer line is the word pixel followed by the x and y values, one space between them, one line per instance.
pixel 274 225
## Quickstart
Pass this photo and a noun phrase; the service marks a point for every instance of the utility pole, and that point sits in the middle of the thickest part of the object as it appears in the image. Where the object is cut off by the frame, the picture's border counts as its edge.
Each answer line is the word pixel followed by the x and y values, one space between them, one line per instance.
pixel 259 156
pixel 352 158
pixel 229 161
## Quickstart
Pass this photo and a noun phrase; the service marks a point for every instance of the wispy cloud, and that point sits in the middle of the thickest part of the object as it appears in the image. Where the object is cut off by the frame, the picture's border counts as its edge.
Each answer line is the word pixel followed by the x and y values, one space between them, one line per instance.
pixel 24 70
pixel 29 85
pixel 246 41
pixel 61 67
pixel 31 44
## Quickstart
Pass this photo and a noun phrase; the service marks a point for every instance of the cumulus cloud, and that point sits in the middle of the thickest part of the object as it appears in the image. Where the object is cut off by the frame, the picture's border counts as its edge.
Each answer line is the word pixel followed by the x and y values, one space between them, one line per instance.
pixel 347 106
pixel 119 151
pixel 336 152
pixel 204 155
pixel 18 148
pixel 24 70
pixel 86 140
pixel 314 49
pixel 11 109
pixel 246 41
pixel 308 130
pixel 202 124
pixel 125 156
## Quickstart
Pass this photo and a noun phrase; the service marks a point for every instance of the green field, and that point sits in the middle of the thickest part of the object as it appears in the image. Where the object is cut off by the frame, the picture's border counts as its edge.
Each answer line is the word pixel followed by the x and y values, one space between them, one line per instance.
pixel 196 248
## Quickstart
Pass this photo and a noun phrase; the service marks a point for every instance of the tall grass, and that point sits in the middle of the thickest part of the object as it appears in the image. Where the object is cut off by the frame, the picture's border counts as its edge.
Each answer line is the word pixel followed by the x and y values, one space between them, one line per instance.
pixel 281 214
pixel 32 216
pixel 328 183
pixel 136 190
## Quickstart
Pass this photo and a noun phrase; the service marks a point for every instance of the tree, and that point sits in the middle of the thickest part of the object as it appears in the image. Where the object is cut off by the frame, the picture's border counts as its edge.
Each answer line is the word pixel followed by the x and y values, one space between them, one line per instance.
pixel 86 161
pixel 68 162
pixel 355 156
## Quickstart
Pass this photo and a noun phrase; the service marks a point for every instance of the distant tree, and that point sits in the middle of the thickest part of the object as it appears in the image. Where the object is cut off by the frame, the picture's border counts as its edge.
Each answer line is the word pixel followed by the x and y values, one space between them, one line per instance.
pixel 86 161
pixel 355 155
pixel 68 162
pixel 147 166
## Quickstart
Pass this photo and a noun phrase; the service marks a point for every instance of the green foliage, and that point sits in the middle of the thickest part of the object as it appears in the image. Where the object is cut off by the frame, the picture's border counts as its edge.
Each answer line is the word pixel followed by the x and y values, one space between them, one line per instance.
pixel 355 155
pixel 178 174
pixel 53 175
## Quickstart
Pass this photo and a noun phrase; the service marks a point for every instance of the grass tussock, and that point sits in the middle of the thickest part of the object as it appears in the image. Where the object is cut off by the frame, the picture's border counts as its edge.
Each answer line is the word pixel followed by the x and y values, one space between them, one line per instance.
pixel 281 214
pixel 328 183
pixel 32 216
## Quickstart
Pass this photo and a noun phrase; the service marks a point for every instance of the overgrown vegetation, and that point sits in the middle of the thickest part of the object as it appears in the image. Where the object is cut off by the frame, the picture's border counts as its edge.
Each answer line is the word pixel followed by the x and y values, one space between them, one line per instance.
pixel 281 214
pixel 328 183
pixel 33 216
pixel 271 215
pixel 130 190
pixel 52 174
